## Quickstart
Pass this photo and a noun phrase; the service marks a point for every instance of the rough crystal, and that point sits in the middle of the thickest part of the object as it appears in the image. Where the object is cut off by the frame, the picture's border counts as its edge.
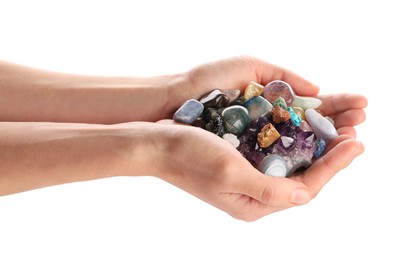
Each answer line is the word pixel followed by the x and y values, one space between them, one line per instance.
pixel 280 115
pixel 253 89
pixel 267 136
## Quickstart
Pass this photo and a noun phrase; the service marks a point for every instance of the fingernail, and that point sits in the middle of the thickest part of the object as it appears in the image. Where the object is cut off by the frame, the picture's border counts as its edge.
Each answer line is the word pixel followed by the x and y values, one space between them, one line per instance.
pixel 300 196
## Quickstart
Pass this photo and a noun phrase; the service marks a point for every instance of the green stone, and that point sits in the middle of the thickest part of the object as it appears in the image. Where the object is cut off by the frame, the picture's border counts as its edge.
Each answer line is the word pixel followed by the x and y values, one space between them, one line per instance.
pixel 236 119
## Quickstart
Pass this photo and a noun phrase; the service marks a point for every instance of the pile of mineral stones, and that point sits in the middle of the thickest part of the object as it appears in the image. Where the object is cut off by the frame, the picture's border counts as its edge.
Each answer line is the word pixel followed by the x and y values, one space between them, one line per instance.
pixel 277 131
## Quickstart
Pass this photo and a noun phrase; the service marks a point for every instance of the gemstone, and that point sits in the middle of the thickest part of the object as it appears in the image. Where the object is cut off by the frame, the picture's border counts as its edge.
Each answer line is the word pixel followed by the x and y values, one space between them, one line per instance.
pixel 232 94
pixel 279 88
pixel 321 126
pixel 257 106
pixel 305 127
pixel 188 112
pixel 236 119
pixel 300 112
pixel 307 102
pixel 273 165
pixel 215 98
pixel 253 89
pixel 320 147
pixel 280 101
pixel 232 139
pixel 295 118
pixel 213 121
pixel 280 115
pixel 267 136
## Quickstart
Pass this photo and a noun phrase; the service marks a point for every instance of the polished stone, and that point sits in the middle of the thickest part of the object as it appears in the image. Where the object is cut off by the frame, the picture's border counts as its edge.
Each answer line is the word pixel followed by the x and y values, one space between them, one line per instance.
pixel 253 89
pixel 267 136
pixel 236 119
pixel 279 88
pixel 273 165
pixel 306 102
pixel 215 99
pixel 321 126
pixel 189 112
pixel 300 112
pixel 257 107
pixel 320 146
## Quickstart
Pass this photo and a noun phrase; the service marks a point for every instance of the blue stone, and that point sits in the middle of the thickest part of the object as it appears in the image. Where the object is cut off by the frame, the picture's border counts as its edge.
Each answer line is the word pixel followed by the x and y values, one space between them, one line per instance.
pixel 257 107
pixel 188 112
pixel 236 119
pixel 294 117
pixel 320 146
pixel 321 126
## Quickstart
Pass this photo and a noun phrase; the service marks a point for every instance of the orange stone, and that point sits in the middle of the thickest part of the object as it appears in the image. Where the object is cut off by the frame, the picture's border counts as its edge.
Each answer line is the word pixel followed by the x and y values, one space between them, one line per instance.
pixel 280 115
pixel 267 136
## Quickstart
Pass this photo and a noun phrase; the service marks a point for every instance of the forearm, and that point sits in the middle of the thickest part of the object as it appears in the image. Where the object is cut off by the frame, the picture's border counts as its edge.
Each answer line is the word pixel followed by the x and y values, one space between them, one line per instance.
pixel 35 155
pixel 28 94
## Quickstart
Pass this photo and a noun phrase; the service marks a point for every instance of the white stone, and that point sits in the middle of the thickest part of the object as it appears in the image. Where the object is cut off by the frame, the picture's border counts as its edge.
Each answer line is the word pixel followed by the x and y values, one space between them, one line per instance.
pixel 273 165
pixel 232 139
pixel 321 126
pixel 307 102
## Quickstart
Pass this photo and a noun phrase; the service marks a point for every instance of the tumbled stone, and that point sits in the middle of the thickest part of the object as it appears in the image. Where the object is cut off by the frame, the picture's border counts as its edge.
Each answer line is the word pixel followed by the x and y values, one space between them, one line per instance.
pixel 295 118
pixel 279 115
pixel 215 98
pixel 300 112
pixel 322 127
pixel 232 139
pixel 188 112
pixel 280 101
pixel 267 136
pixel 279 88
pixel 273 165
pixel 232 94
pixel 236 119
pixel 257 106
pixel 253 89
pixel 213 121
pixel 320 146
pixel 306 102
pixel 305 127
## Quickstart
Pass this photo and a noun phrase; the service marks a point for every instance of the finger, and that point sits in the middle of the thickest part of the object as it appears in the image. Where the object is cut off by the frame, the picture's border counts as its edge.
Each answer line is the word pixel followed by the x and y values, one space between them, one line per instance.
pixel 273 191
pixel 332 104
pixel 300 85
pixel 351 117
pixel 347 130
pixel 322 170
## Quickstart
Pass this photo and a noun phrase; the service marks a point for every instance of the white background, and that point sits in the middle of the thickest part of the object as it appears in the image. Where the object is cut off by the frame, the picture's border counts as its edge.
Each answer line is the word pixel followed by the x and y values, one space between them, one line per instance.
pixel 343 46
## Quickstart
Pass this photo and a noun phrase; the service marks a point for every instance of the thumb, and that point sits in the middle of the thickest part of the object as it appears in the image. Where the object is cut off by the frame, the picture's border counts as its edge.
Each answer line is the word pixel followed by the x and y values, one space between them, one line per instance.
pixel 274 191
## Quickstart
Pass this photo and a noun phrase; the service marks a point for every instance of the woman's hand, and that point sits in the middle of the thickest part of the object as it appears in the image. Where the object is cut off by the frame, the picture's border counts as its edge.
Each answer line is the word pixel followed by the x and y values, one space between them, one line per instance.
pixel 208 167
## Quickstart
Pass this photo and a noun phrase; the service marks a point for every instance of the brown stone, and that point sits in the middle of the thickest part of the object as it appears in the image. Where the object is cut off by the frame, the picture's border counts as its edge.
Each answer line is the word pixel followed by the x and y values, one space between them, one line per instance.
pixel 267 136
pixel 279 115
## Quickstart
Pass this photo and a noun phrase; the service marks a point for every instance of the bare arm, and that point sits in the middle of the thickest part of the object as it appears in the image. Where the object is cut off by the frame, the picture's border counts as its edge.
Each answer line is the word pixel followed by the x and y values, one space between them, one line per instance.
pixel 35 155
pixel 29 94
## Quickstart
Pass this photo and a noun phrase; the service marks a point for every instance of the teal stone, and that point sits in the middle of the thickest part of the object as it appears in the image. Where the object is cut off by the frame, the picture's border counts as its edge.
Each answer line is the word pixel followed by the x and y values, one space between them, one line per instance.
pixel 306 102
pixel 257 106
pixel 294 117
pixel 188 112
pixel 236 119
pixel 280 101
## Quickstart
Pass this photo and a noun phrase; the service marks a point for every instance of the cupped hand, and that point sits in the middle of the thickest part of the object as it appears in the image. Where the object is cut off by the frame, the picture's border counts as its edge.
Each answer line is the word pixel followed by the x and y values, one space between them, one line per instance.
pixel 208 167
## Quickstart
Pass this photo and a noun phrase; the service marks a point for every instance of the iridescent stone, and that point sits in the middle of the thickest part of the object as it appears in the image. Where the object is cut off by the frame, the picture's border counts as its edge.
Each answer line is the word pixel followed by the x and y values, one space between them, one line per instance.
pixel 188 112
pixel 280 101
pixel 280 115
pixel 253 89
pixel 306 102
pixel 295 118
pixel 232 139
pixel 267 136
pixel 279 88
pixel 257 106
pixel 273 165
pixel 300 112
pixel 215 98
pixel 236 119
pixel 320 147
pixel 322 127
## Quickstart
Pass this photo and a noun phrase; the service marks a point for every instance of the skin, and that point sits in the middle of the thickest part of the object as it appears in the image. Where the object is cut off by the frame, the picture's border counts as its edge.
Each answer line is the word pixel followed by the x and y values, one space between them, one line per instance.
pixel 59 128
